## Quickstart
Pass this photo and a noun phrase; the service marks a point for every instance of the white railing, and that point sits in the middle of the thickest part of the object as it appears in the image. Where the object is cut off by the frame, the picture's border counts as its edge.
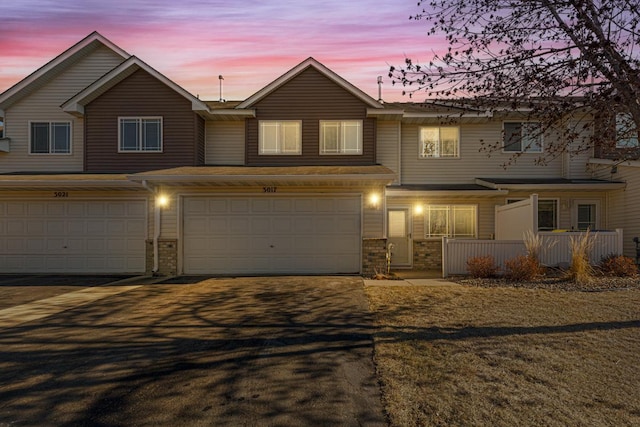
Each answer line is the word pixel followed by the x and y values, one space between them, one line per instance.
pixel 456 252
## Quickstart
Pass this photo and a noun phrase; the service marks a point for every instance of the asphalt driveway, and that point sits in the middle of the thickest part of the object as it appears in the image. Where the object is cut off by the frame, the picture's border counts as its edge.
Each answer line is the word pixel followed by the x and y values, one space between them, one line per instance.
pixel 279 351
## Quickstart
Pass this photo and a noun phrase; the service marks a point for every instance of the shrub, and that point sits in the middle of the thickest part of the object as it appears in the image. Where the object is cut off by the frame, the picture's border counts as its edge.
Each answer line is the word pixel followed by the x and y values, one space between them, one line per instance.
pixel 482 267
pixel 618 265
pixel 580 270
pixel 522 268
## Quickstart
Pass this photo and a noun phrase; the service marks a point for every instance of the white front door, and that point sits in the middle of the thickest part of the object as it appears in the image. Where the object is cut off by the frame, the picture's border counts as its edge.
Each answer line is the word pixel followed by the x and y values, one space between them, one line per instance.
pixel 399 236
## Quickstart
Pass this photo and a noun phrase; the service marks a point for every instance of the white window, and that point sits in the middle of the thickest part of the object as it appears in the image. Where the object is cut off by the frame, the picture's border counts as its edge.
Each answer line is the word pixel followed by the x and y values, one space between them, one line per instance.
pixel 50 137
pixel 450 220
pixel 140 134
pixel 439 142
pixel 522 137
pixel 626 132
pixel 280 137
pixel 341 137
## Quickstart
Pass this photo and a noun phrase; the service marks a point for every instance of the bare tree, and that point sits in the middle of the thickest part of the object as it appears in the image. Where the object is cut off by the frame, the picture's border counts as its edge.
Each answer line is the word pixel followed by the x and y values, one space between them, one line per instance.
pixel 550 58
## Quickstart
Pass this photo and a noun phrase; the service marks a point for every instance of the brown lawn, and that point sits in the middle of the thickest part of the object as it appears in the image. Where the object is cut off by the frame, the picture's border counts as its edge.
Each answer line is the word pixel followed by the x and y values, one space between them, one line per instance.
pixel 466 356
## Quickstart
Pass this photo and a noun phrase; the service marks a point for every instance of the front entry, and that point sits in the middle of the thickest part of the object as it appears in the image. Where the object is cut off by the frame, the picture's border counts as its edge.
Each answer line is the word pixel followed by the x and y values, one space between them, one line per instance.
pixel 399 235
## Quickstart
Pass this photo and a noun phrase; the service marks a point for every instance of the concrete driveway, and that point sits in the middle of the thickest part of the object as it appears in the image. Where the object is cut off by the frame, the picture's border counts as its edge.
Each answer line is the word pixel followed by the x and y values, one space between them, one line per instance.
pixel 282 351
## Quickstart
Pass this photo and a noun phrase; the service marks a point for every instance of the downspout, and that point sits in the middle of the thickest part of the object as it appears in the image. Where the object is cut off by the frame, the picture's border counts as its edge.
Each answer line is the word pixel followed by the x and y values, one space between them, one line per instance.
pixel 156 227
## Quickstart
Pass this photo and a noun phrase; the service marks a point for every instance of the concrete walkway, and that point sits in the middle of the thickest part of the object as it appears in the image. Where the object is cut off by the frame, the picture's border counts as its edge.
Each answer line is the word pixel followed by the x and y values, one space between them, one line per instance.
pixel 14 316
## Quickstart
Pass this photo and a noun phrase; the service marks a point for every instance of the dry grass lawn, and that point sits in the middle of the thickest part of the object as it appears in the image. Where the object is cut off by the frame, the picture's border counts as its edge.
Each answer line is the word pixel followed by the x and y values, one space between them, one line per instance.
pixel 467 356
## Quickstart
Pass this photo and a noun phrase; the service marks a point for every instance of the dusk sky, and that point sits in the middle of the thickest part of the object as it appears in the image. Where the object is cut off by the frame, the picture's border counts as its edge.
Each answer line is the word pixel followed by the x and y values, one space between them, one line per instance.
pixel 250 43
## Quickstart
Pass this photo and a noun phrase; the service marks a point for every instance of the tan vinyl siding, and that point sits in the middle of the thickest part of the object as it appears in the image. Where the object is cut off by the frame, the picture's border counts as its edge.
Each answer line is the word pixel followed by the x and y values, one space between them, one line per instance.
pixel 140 95
pixel 44 105
pixel 472 163
pixel 623 205
pixel 372 215
pixel 311 97
pixel 575 166
pixel 387 145
pixel 225 143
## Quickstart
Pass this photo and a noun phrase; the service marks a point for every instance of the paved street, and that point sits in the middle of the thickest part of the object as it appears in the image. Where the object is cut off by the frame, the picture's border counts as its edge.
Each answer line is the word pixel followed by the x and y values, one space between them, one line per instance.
pixel 244 351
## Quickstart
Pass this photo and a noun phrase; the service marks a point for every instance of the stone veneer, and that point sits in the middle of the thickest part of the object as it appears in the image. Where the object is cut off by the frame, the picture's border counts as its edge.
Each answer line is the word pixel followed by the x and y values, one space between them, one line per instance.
pixel 168 257
pixel 427 254
pixel 374 257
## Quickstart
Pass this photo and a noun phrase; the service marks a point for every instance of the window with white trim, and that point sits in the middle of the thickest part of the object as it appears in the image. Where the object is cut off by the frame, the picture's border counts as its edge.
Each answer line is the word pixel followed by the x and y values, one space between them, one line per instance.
pixel 341 137
pixel 280 137
pixel 450 220
pixel 50 137
pixel 439 142
pixel 521 137
pixel 140 134
pixel 626 132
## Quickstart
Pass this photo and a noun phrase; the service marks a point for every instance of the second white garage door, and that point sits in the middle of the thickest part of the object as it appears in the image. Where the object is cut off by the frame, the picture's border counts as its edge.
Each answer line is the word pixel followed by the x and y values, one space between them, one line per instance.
pixel 271 235
pixel 72 236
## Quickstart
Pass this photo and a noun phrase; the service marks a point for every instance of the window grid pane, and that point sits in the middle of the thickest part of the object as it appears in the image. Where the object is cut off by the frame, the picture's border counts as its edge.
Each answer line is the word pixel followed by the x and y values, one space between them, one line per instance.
pixel 129 135
pixel 330 137
pixel 437 221
pixel 40 138
pixel 151 135
pixel 61 142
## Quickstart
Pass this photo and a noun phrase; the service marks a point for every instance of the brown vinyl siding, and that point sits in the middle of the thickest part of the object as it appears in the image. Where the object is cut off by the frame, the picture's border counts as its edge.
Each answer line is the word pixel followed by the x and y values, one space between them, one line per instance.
pixel 141 95
pixel 201 137
pixel 311 97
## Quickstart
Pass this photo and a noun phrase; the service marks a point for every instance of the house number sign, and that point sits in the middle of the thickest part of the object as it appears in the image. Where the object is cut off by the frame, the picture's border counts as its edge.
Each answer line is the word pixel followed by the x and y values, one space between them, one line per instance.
pixel 60 194
pixel 269 189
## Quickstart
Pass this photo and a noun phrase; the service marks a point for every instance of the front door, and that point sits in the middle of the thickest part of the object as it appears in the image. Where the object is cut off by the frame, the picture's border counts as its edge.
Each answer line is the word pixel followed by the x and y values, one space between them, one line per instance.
pixel 400 237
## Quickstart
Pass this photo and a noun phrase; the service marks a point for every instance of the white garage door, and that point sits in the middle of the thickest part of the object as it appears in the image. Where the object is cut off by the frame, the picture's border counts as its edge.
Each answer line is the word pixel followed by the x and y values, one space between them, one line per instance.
pixel 271 235
pixel 64 236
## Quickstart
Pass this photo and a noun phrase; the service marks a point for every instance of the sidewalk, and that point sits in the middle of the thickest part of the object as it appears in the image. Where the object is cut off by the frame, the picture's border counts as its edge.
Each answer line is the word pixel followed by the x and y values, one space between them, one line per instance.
pixel 413 278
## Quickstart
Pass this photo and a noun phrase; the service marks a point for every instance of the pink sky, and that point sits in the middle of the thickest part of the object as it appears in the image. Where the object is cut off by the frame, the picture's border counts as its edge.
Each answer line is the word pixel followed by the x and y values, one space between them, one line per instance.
pixel 250 43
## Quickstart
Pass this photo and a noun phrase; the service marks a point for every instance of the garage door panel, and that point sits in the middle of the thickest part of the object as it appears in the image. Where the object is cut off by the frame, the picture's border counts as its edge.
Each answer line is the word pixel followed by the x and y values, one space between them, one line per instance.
pixel 272 235
pixel 73 236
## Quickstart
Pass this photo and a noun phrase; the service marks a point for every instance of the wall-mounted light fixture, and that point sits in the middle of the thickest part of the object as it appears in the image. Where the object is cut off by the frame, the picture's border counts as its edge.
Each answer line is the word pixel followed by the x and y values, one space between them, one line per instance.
pixel 418 209
pixel 162 201
pixel 374 200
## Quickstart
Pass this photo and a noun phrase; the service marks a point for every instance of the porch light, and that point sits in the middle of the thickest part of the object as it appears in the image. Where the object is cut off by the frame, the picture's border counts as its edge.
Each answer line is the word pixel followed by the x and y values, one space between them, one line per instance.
pixel 162 201
pixel 374 200
pixel 418 209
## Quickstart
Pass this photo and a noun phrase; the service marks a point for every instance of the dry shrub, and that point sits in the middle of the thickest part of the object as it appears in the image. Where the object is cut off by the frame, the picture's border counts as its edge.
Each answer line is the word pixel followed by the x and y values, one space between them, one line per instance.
pixel 618 265
pixel 580 270
pixel 482 267
pixel 522 269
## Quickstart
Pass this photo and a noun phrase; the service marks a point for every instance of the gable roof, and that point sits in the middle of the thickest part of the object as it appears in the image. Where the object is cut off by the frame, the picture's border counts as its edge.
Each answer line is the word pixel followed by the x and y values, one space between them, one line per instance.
pixel 56 66
pixel 309 62
pixel 75 105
